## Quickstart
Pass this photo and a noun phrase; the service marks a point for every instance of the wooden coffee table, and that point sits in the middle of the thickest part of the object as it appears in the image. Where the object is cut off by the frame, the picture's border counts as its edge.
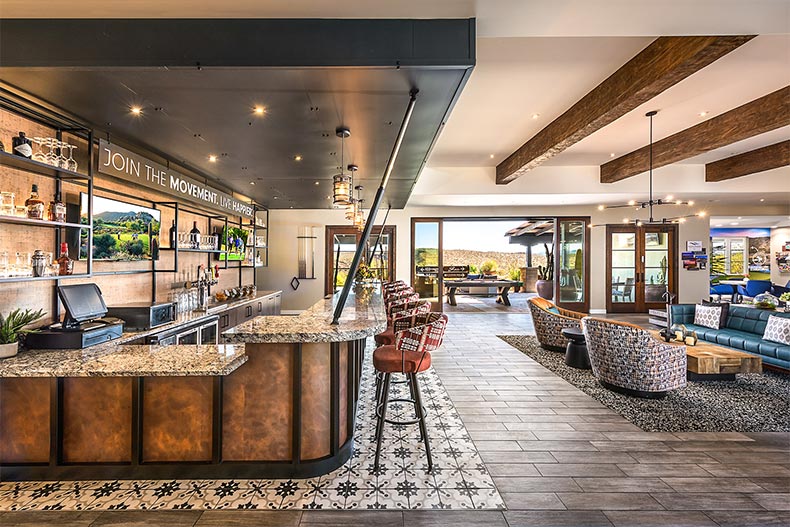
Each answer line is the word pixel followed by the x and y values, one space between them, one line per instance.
pixel 711 362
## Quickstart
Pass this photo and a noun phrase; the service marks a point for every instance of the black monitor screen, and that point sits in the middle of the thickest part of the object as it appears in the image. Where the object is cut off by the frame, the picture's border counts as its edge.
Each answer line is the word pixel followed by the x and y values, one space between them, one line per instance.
pixel 82 302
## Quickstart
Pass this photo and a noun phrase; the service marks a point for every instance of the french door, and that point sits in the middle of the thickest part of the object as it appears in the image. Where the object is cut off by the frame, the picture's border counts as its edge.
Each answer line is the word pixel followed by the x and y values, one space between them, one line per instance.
pixel 641 266
pixel 341 244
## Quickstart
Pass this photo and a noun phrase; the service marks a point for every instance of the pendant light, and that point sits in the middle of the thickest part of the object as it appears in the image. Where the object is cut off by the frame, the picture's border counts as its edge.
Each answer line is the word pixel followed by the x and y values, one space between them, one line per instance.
pixel 359 215
pixel 341 183
pixel 351 208
pixel 650 203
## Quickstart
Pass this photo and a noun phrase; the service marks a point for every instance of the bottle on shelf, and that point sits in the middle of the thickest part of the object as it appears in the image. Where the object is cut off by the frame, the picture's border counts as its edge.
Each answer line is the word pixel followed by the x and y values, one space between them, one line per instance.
pixel 65 264
pixel 35 207
pixel 194 236
pixel 173 235
pixel 57 211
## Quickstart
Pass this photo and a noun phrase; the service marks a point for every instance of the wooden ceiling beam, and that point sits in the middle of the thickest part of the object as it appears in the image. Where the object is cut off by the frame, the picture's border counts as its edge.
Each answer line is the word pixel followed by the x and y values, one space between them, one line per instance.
pixel 664 63
pixel 753 118
pixel 752 162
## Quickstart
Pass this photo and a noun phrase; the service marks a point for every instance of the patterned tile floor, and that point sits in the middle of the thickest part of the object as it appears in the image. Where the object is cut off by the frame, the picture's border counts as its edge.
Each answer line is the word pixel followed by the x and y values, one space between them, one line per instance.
pixel 459 480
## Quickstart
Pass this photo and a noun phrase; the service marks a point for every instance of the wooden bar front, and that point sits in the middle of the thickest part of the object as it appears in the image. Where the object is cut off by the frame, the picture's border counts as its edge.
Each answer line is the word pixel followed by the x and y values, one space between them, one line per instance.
pixel 288 412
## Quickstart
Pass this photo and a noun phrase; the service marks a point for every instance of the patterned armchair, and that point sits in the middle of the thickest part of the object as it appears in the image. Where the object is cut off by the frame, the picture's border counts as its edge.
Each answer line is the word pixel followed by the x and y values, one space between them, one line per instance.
pixel 550 320
pixel 391 295
pixel 395 303
pixel 627 359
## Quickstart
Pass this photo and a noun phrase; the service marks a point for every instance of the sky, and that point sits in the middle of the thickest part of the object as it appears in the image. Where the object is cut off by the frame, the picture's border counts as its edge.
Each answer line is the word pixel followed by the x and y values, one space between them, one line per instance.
pixel 470 235
pixel 103 205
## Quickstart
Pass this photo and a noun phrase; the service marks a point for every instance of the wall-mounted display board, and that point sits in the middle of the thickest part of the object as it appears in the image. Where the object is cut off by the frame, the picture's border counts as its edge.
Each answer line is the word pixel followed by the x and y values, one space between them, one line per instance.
pixel 125 164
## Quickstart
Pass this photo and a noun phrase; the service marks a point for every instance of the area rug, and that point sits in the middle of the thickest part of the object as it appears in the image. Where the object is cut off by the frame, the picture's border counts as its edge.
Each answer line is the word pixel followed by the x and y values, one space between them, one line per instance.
pixel 751 403
pixel 459 479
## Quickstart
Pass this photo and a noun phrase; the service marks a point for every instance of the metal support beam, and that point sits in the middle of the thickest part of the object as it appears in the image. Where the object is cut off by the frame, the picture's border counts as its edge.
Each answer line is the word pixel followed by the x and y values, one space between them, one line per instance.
pixel 341 303
pixel 377 245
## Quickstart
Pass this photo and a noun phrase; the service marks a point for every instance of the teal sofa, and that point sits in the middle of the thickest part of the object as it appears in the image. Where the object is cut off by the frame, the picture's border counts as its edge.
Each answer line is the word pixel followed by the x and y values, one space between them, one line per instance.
pixel 743 331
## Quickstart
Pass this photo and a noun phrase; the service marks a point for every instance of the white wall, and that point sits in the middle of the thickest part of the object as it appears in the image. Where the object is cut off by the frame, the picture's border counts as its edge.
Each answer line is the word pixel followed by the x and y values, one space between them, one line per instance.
pixel 284 225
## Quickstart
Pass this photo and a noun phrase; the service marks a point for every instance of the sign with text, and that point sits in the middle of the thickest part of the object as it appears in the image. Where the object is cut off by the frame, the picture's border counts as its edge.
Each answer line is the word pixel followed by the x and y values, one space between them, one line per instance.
pixel 125 164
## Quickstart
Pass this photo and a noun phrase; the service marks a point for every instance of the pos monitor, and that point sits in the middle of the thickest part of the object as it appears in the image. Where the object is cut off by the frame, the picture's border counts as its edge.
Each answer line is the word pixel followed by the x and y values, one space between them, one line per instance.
pixel 83 302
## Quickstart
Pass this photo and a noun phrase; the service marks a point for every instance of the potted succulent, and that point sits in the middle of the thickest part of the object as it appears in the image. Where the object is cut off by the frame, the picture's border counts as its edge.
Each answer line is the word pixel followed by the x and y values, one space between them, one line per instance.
pixel 11 327
pixel 545 282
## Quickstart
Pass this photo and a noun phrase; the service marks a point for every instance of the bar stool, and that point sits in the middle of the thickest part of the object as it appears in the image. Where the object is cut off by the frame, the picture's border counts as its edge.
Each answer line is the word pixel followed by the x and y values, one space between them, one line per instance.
pixel 400 293
pixel 415 338
pixel 397 310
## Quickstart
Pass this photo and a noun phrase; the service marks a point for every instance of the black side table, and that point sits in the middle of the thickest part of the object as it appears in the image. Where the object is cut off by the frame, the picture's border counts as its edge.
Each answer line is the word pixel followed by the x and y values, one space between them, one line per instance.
pixel 576 351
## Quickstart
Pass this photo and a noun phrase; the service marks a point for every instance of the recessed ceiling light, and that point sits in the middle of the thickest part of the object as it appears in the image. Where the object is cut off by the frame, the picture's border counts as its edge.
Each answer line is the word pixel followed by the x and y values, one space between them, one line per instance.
pixel 317 182
pixel 275 197
pixel 297 157
pixel 762 199
pixel 136 110
pixel 611 155
pixel 703 113
pixel 718 225
pixel 491 156
pixel 740 217
pixel 212 158
pixel 734 223
pixel 252 182
pixel 535 115
pixel 259 110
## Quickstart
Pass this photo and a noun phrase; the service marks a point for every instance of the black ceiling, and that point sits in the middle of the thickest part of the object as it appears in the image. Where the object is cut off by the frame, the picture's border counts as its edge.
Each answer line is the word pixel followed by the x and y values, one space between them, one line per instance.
pixel 192 112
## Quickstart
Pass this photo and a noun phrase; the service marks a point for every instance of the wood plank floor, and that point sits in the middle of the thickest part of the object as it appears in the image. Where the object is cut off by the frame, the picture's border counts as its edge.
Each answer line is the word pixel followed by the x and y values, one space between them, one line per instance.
pixel 558 457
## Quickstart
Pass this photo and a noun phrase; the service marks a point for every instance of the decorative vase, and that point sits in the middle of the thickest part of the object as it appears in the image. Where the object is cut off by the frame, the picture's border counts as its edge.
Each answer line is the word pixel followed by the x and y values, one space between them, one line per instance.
pixel 545 289
pixel 766 301
pixel 8 350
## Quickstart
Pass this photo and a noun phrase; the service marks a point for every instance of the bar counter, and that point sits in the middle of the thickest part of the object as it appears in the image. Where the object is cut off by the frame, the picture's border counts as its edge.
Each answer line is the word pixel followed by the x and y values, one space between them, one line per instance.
pixel 277 400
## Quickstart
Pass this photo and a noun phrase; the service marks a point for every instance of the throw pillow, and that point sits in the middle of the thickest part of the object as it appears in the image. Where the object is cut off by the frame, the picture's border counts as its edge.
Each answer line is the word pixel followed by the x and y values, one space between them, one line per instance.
pixel 725 311
pixel 554 310
pixel 777 330
pixel 707 316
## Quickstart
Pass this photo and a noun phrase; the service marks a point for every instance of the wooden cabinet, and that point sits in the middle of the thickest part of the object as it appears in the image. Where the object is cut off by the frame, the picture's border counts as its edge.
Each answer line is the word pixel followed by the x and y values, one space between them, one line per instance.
pixel 263 306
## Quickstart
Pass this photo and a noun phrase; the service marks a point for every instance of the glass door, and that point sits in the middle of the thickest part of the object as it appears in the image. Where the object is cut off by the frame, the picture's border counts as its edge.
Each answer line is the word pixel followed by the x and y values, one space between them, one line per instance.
pixel 341 246
pixel 621 252
pixel 426 259
pixel 573 272
pixel 641 267
pixel 657 273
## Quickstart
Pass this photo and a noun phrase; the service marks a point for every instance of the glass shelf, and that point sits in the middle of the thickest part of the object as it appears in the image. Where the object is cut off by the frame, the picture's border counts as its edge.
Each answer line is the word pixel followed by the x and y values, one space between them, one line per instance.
pixel 42 223
pixel 39 278
pixel 37 167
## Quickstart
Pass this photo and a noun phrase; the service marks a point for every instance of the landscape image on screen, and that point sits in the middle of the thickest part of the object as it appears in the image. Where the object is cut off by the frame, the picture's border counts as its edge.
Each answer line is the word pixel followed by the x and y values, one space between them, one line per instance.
pixel 121 231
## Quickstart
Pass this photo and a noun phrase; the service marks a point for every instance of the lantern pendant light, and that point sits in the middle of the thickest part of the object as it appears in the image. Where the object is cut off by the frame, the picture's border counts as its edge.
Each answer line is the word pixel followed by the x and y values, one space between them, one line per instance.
pixel 341 183
pixel 351 208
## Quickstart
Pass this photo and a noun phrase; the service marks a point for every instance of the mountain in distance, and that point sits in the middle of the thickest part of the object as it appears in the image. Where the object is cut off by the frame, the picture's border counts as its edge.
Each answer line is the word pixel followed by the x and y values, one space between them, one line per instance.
pixel 120 217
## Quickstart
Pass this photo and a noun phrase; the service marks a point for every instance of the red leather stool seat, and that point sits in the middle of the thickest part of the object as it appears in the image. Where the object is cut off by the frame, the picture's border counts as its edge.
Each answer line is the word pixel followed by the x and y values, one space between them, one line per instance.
pixel 387 359
pixel 386 337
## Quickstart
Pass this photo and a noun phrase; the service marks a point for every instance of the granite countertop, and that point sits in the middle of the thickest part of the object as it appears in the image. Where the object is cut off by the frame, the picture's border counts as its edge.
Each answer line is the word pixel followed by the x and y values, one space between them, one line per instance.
pixel 124 360
pixel 362 317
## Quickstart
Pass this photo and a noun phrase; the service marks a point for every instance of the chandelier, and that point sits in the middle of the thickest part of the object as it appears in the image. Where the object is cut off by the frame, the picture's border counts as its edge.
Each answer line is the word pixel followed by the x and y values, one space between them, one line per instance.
pixel 341 183
pixel 654 202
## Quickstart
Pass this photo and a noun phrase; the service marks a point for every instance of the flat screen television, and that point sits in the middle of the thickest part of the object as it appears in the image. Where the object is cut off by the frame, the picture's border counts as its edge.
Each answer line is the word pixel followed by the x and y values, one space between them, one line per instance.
pixel 121 231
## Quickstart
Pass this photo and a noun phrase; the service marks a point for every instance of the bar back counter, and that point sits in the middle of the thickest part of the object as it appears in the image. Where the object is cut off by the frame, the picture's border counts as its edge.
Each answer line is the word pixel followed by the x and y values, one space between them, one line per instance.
pixel 277 400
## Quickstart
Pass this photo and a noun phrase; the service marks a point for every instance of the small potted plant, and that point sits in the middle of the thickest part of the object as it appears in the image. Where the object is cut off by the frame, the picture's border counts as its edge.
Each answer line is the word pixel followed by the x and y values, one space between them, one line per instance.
pixel 545 282
pixel 489 268
pixel 785 297
pixel 11 327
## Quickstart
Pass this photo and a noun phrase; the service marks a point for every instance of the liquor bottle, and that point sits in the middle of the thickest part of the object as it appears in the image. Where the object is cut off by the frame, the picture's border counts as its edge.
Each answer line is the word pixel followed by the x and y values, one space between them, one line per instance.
pixel 35 207
pixel 57 211
pixel 194 236
pixel 65 264
pixel 173 235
